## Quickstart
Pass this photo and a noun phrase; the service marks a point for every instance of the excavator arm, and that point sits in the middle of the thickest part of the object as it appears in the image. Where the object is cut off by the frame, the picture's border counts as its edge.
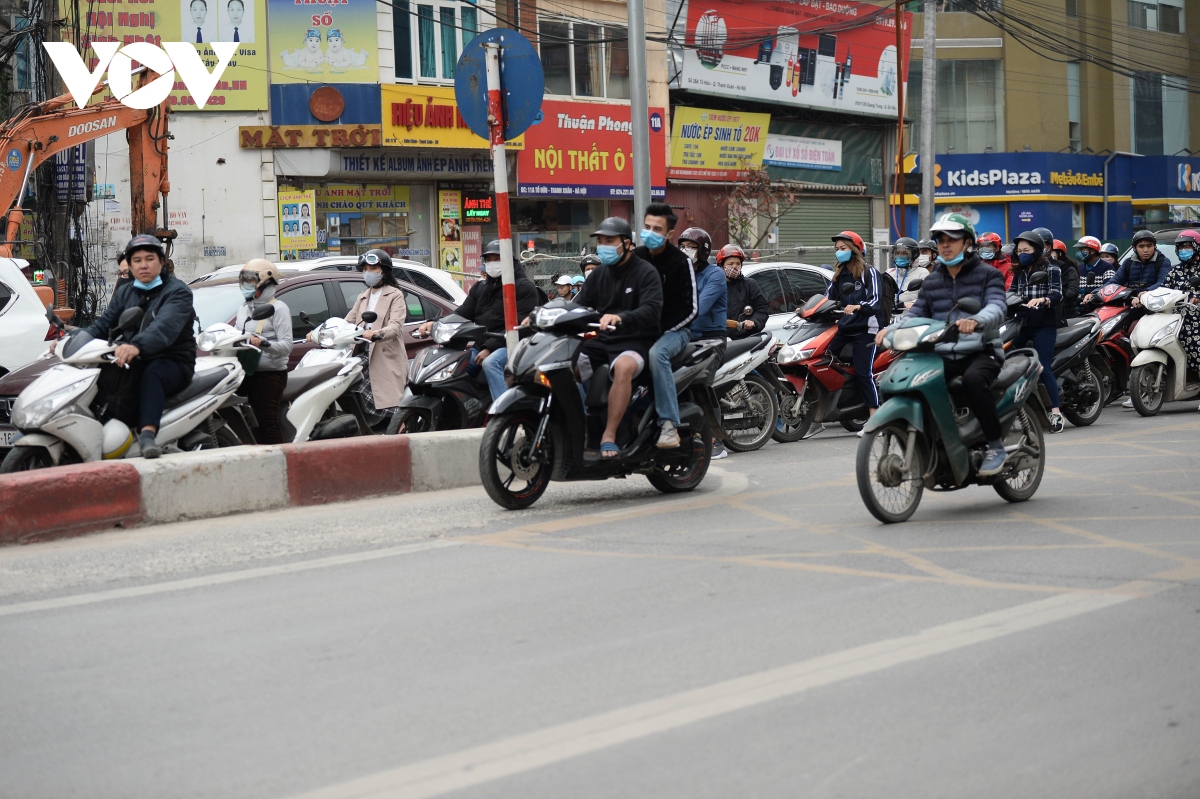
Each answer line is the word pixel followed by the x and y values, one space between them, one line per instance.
pixel 36 135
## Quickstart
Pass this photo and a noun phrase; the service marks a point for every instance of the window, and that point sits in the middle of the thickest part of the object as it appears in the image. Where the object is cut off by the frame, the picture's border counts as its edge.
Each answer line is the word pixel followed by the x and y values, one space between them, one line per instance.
pixel 1074 118
pixel 432 309
pixel 1072 8
pixel 968 5
pixel 768 281
pixel 1164 15
pixel 6 296
pixel 800 284
pixel 970 104
pixel 1159 105
pixel 350 291
pixel 582 59
pixel 429 37
pixel 309 300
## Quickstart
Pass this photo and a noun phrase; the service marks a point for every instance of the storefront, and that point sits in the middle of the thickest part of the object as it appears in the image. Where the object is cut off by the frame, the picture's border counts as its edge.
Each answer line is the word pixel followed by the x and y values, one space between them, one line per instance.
pixel 1166 192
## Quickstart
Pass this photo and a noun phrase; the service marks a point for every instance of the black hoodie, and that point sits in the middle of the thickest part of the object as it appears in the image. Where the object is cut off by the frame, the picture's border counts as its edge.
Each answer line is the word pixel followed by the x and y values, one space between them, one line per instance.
pixel 633 291
pixel 484 305
pixel 679 285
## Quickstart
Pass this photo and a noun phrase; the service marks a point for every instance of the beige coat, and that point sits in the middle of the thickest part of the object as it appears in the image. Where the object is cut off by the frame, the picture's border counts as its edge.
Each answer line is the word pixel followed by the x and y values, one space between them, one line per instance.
pixel 387 362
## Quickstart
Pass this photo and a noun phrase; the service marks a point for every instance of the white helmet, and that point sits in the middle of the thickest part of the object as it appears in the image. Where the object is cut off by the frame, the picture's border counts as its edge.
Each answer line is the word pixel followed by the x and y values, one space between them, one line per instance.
pixel 116 439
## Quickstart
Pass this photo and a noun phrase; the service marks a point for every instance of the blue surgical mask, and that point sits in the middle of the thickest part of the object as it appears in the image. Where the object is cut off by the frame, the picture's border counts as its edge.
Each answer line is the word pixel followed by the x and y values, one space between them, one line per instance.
pixel 153 284
pixel 609 254
pixel 1185 255
pixel 1082 255
pixel 987 255
pixel 902 263
pixel 843 256
pixel 248 291
pixel 372 278
pixel 1026 258
pixel 652 240
pixel 953 261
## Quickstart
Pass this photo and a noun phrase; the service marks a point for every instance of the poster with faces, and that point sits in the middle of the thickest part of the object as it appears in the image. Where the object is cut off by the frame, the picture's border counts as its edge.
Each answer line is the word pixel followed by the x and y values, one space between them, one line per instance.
pixel 297 222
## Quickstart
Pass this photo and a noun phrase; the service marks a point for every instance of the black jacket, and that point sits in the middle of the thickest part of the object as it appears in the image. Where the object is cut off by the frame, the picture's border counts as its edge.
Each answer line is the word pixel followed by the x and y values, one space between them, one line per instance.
pixel 484 305
pixel 166 330
pixel 743 292
pixel 1069 308
pixel 679 285
pixel 867 292
pixel 633 291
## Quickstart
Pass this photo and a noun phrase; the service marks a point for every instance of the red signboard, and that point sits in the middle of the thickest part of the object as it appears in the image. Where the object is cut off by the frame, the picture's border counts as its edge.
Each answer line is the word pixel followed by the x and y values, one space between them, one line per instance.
pixel 585 150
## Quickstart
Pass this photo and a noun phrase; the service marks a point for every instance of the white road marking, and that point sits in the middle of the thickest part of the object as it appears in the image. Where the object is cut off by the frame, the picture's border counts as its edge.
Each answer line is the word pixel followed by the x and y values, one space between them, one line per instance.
pixel 521 753
pixel 221 578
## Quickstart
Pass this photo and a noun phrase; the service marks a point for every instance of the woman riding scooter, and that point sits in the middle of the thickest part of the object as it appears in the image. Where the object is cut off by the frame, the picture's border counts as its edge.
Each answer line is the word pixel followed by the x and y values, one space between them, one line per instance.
pixel 387 362
pixel 905 269
pixel 1187 247
pixel 858 286
pixel 1039 314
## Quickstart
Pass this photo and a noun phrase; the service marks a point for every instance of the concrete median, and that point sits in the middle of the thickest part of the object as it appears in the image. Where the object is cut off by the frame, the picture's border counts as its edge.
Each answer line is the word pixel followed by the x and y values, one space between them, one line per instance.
pixel 70 500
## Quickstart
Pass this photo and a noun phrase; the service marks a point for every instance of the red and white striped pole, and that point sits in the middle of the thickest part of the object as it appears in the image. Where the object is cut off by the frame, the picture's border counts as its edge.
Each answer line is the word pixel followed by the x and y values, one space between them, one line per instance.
pixel 500 174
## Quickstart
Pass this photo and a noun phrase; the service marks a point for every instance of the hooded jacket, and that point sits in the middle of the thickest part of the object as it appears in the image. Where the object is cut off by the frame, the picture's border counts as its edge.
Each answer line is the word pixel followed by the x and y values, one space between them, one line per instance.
pixel 713 300
pixel 1142 275
pixel 633 291
pixel 940 292
pixel 743 292
pixel 166 329
pixel 484 305
pixel 679 285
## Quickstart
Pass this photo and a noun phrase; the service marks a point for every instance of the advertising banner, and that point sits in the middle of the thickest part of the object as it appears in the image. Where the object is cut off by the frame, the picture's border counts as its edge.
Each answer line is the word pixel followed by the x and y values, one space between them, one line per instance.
pixel 301 136
pixel 1002 175
pixel 71 174
pixel 428 116
pixel 450 246
pixel 585 150
pixel 323 43
pixel 297 220
pixel 716 145
pixel 812 53
pixel 796 152
pixel 243 84
pixel 358 199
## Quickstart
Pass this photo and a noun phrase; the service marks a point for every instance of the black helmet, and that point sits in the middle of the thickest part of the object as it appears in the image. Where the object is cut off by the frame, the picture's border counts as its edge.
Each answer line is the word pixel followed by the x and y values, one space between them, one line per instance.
pixel 590 259
pixel 906 245
pixel 492 248
pixel 374 257
pixel 1032 238
pixel 927 244
pixel 1045 235
pixel 147 242
pixel 699 237
pixel 614 226
pixel 1144 235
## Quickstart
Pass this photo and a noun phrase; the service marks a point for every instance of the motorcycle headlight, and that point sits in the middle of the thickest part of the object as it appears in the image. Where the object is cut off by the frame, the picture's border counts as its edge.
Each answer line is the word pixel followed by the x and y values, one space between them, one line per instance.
pixel 1165 333
pixel 1155 304
pixel 207 341
pixel 444 374
pixel 794 352
pixel 548 316
pixel 38 413
pixel 1107 328
pixel 442 333
pixel 907 337
pixel 325 338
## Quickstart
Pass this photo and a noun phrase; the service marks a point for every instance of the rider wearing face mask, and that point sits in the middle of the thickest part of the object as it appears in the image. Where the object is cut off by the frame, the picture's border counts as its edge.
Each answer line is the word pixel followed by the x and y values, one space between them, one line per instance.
pixel 387 363
pixel 927 255
pixel 484 306
pixel 696 244
pixel 990 249
pixel 1145 270
pixel 857 285
pixel 905 254
pixel 266 374
pixel 1094 271
pixel 1039 314
pixel 1187 247
pixel 743 292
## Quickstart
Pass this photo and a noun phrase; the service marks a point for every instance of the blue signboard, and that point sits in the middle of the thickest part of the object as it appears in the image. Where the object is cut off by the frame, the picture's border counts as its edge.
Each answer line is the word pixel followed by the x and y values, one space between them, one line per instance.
pixel 1165 177
pixel 1019 175
pixel 70 174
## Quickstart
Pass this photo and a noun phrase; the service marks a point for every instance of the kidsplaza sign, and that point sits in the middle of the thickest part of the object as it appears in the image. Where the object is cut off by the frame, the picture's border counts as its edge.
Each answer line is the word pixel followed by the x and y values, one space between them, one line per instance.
pixel 118 60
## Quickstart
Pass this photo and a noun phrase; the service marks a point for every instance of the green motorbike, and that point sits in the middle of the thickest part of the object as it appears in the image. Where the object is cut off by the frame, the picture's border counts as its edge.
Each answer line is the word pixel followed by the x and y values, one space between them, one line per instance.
pixel 924 435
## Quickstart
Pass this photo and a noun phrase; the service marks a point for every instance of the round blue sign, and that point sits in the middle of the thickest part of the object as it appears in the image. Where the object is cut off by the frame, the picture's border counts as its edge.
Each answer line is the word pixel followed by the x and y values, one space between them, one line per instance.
pixel 14 159
pixel 656 122
pixel 521 82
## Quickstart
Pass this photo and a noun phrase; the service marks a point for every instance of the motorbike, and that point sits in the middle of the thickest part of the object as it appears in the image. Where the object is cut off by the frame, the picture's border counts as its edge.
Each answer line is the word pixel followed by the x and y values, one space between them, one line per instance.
pixel 545 428
pixel 1084 378
pixel 748 404
pixel 924 434
pixel 1117 319
pixel 444 391
pixel 319 401
pixel 1159 371
pixel 60 416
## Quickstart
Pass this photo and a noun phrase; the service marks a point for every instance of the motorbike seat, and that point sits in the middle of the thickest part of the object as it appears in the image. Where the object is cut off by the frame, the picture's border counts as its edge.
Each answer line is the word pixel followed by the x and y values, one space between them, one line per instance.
pixel 201 382
pixel 740 347
pixel 1075 330
pixel 301 380
pixel 684 354
pixel 1011 372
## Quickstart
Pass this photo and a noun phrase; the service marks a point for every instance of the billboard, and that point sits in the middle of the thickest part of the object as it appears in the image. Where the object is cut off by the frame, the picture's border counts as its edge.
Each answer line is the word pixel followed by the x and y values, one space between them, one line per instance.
pixel 810 53
pixel 1017 175
pixel 297 222
pixel 428 116
pixel 716 145
pixel 319 43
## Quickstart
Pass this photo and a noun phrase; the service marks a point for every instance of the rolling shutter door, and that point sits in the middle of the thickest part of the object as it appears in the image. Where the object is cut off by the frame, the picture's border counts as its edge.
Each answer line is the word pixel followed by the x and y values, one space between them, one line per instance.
pixel 814 220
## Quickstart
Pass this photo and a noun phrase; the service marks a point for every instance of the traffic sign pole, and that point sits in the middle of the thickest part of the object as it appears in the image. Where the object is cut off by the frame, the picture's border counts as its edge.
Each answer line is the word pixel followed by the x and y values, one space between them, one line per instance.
pixel 495 120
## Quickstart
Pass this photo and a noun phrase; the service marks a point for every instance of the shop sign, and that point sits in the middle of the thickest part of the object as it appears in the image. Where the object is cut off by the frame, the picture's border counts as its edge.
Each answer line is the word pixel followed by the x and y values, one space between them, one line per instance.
pixel 339 198
pixel 585 150
pixel 298 136
pixel 323 42
pixel 428 116
pixel 472 242
pixel 1018 175
pixel 838 56
pixel 801 153
pixel 717 145
pixel 450 247
pixel 297 220
pixel 1189 179
pixel 391 164
pixel 478 208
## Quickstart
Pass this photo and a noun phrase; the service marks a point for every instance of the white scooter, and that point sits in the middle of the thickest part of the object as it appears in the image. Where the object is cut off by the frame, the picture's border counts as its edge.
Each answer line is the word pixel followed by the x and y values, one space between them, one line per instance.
pixel 318 400
pixel 748 403
pixel 55 415
pixel 1158 373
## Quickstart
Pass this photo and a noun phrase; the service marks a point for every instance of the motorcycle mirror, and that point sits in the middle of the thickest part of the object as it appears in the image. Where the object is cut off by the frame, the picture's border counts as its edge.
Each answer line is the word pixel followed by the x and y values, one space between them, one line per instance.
pixel 1038 278
pixel 969 305
pixel 916 284
pixel 52 317
pixel 748 311
pixel 130 318
pixel 262 311
pixel 304 318
pixel 847 289
pixel 369 317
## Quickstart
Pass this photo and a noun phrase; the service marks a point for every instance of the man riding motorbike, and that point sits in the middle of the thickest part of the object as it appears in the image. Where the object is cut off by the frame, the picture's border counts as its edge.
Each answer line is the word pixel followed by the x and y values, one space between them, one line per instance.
pixel 1092 267
pixel 905 253
pixel 1145 270
pixel 962 274
pixel 484 306
pixel 627 292
pixel 742 292
pixel 990 248
pixel 711 295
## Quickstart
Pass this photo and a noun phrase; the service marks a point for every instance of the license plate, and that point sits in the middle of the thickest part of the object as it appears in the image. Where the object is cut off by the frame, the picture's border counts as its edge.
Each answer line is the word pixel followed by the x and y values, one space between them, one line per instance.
pixel 8 436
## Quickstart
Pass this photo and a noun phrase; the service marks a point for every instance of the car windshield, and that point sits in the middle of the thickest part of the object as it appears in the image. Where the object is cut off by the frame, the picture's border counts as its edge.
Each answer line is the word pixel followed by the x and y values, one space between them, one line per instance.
pixel 216 303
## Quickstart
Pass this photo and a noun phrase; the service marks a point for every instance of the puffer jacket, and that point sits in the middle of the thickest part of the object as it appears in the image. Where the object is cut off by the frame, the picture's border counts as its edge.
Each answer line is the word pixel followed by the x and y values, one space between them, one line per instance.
pixel 743 292
pixel 1142 275
pixel 166 329
pixel 940 293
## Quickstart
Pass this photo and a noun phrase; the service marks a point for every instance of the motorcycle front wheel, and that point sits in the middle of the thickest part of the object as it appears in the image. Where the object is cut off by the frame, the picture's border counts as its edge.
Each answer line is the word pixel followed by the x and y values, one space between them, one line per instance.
pixel 1024 484
pixel 796 411
pixel 1147 400
pixel 757 406
pixel 889 488
pixel 26 459
pixel 677 478
pixel 412 420
pixel 510 474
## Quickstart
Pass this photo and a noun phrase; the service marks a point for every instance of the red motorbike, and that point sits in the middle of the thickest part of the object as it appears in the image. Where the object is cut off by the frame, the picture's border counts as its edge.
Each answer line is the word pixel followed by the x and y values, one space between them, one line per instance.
pixel 1117 319
pixel 824 379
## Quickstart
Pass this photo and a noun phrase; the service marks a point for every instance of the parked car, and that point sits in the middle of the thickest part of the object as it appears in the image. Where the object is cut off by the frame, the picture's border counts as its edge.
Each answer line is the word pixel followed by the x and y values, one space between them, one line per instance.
pixel 787 286
pixel 24 330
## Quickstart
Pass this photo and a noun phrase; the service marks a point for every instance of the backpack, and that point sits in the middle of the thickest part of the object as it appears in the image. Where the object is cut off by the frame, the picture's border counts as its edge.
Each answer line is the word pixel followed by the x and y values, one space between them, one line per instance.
pixel 887 302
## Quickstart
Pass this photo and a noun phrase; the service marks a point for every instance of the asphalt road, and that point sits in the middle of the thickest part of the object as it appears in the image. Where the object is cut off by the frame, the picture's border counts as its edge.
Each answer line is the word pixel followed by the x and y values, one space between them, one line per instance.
pixel 762 637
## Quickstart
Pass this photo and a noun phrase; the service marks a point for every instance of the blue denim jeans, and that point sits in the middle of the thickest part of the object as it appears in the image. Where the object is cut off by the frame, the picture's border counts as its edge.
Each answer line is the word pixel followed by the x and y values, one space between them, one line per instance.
pixel 667 347
pixel 1042 339
pixel 493 370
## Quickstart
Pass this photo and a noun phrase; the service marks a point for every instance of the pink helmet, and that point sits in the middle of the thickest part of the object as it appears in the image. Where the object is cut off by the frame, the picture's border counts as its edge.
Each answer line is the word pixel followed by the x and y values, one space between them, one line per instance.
pixel 1189 236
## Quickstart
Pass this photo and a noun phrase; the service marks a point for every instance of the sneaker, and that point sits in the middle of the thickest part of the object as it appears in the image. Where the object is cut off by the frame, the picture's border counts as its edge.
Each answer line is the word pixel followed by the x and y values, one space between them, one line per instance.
pixel 812 431
pixel 149 447
pixel 861 433
pixel 1056 423
pixel 993 461
pixel 668 436
pixel 719 451
pixel 1127 403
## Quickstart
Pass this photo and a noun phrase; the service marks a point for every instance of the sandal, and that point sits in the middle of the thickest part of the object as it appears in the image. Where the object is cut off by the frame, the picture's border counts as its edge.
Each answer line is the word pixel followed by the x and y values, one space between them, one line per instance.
pixel 609 449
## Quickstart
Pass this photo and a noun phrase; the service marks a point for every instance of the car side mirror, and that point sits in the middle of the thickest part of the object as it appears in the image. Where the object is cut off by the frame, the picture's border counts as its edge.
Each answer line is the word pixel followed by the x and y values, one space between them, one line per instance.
pixel 369 317
pixel 262 311
pixel 969 305
pixel 129 319
pixel 916 284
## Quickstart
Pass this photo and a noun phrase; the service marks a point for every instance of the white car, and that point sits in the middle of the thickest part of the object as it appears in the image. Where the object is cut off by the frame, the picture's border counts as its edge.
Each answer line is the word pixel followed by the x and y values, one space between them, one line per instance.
pixel 787 285
pixel 23 325
pixel 419 275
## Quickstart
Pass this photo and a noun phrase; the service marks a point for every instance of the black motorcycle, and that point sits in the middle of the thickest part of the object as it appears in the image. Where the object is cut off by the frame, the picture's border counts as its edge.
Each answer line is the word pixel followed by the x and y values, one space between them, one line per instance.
pixel 544 428
pixel 445 390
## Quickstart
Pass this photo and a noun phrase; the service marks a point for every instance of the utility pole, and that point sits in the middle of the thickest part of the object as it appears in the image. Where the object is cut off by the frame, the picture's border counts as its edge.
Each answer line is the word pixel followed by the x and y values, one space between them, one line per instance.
pixel 898 177
pixel 639 109
pixel 928 118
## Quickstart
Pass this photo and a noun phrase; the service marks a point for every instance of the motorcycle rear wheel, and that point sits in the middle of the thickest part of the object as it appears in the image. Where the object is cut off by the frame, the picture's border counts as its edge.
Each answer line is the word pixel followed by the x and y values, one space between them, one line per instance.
pixel 1091 413
pixel 854 425
pixel 504 461
pixel 795 418
pixel 413 420
pixel 1146 400
pixel 1024 484
pixel 890 492
pixel 761 401
pixel 26 459
pixel 675 479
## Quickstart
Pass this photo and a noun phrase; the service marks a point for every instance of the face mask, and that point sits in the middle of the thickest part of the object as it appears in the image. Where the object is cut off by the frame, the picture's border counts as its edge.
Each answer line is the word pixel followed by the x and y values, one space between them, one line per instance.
pixel 1026 258
pixel 248 291
pixel 608 253
pixel 987 255
pixel 690 252
pixel 843 256
pixel 953 261
pixel 1185 255
pixel 733 272
pixel 923 260
pixel 153 284
pixel 902 263
pixel 652 240
pixel 1083 255
pixel 1109 260
pixel 372 278
pixel 492 268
